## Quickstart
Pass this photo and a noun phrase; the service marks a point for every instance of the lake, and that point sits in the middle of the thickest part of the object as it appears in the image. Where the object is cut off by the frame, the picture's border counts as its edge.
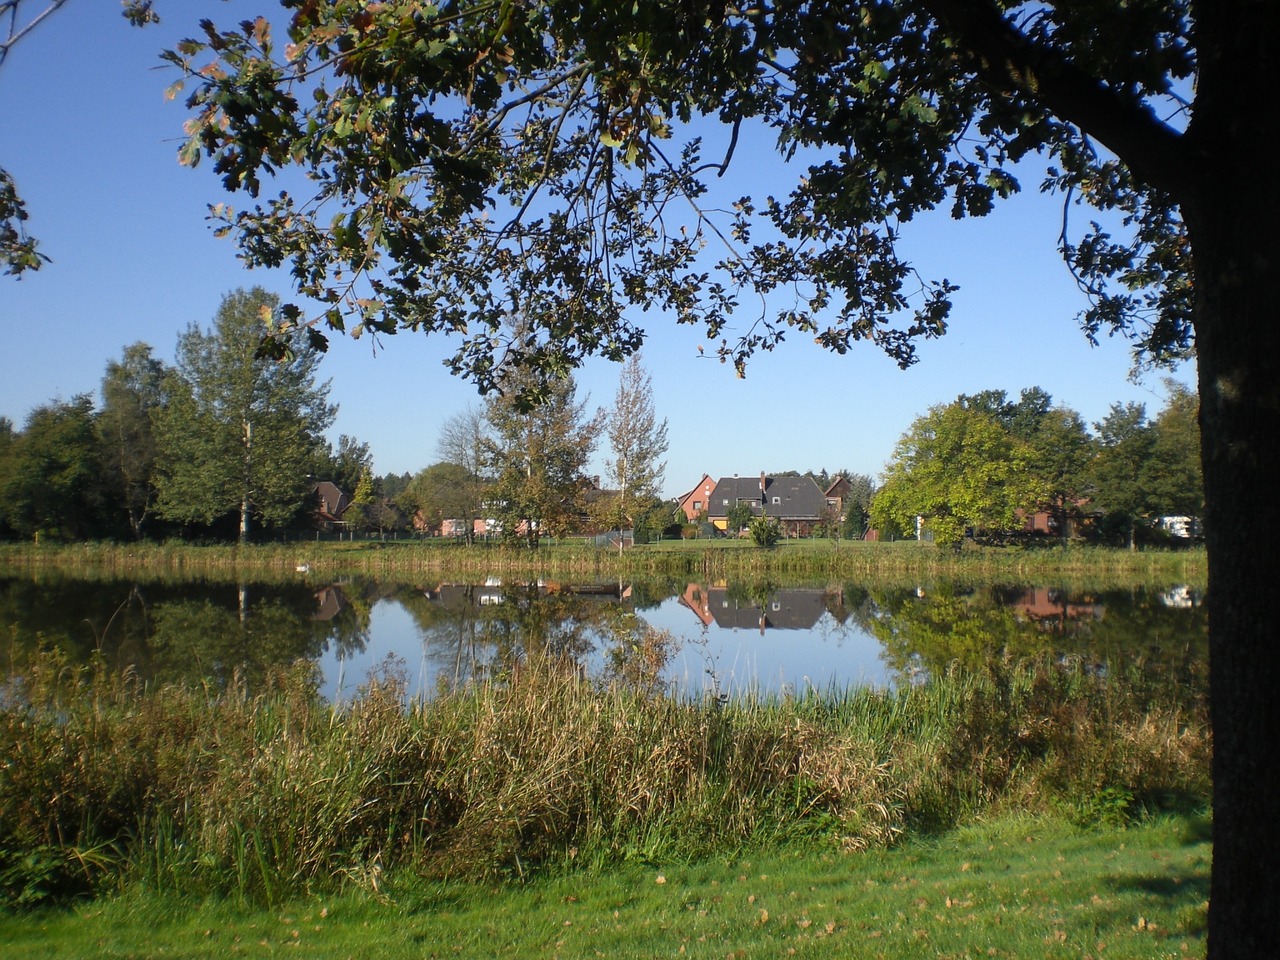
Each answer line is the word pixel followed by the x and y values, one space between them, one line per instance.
pixel 689 638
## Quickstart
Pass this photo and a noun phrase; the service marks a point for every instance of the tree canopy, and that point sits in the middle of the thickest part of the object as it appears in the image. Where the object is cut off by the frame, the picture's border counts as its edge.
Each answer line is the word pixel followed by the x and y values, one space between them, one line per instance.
pixel 239 431
pixel 475 163
pixel 957 469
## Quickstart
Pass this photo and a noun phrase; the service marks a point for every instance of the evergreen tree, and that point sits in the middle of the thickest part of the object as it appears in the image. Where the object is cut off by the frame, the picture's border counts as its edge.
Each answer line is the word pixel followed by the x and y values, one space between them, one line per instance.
pixel 1121 472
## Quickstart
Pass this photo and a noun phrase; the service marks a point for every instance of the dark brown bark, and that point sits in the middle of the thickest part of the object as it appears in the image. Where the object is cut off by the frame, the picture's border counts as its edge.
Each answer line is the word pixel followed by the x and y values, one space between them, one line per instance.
pixel 1238 341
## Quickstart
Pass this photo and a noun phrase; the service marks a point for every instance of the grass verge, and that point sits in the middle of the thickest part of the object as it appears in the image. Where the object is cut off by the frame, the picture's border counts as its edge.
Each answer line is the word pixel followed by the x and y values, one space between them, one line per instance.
pixel 1015 886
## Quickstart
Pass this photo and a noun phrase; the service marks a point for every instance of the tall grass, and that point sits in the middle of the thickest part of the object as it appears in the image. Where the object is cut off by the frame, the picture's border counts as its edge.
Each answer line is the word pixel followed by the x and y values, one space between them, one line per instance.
pixel 264 794
pixel 791 560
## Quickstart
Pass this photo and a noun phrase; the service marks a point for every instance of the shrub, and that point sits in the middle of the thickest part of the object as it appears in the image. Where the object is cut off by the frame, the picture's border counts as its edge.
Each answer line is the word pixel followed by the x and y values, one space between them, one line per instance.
pixel 765 531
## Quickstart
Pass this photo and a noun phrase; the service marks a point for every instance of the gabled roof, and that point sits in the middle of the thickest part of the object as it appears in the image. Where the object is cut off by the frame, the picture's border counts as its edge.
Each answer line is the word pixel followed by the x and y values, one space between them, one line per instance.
pixel 333 502
pixel 695 489
pixel 797 498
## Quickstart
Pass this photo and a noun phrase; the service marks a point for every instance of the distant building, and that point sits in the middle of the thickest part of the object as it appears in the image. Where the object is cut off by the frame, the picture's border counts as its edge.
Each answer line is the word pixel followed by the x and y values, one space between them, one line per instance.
pixel 797 503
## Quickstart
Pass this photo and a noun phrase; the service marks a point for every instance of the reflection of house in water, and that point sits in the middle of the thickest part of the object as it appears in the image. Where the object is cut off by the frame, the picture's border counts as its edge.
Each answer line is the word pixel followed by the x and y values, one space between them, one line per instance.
pixel 1181 598
pixel 787 609
pixel 696 599
pixel 1052 609
pixel 330 602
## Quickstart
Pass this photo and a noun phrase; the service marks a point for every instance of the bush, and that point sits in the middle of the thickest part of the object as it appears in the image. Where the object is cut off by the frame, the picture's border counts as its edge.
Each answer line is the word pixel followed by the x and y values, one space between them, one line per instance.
pixel 765 531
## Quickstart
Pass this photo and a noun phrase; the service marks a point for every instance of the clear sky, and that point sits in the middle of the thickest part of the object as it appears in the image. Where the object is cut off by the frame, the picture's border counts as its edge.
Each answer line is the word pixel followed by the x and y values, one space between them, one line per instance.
pixel 91 142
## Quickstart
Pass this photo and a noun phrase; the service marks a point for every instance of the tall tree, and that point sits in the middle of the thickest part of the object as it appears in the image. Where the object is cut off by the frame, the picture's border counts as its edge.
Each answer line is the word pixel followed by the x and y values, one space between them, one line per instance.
pixel 1146 111
pixel 132 394
pixel 1178 477
pixel 52 487
pixel 464 444
pixel 240 431
pixel 538 454
pixel 359 515
pixel 638 441
pixel 1121 472
pixel 1060 450
pixel 956 468
pixel 857 504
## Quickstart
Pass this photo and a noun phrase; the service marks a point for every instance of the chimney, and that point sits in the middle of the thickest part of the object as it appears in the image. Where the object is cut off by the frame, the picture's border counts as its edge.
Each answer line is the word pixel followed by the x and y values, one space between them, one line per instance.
pixel 762 486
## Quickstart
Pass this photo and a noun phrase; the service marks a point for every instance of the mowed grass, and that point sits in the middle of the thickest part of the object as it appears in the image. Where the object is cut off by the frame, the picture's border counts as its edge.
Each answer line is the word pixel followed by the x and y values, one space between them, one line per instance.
pixel 1014 886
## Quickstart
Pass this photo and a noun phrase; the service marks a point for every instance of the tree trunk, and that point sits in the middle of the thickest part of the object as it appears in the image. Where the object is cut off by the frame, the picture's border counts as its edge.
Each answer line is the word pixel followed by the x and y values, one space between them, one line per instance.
pixel 1237 271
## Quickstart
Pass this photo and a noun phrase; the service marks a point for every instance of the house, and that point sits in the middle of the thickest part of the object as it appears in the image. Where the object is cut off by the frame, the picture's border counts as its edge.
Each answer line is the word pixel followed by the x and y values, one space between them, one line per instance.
pixel 695 503
pixel 331 504
pixel 797 503
pixel 836 495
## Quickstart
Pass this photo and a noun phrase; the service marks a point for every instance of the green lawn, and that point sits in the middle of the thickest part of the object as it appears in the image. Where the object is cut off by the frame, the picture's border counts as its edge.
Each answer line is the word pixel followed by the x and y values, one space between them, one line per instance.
pixel 1016 887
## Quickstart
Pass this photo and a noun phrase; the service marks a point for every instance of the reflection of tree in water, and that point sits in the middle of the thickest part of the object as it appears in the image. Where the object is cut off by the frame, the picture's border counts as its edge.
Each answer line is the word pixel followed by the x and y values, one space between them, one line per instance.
pixel 196 630
pixel 475 631
pixel 943 625
pixel 176 631
pixel 245 634
pixel 346 610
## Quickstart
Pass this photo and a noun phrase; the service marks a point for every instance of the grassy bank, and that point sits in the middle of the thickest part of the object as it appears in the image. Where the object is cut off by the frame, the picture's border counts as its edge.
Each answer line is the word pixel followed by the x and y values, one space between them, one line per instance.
pixel 267 794
pixel 1013 887
pixel 792 560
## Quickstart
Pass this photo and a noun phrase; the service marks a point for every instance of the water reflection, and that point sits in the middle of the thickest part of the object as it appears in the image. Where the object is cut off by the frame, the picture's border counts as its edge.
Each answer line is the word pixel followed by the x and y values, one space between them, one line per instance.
pixel 719 638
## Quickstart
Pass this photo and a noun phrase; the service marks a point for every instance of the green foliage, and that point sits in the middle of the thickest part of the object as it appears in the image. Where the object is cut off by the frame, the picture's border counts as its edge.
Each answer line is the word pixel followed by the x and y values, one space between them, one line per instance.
pixel 537 455
pixel 765 531
pixel 132 397
pixel 52 473
pixel 446 491
pixel 958 469
pixel 902 112
pixel 738 517
pixel 240 431
pixel 344 465
pixel 360 514
pixel 18 252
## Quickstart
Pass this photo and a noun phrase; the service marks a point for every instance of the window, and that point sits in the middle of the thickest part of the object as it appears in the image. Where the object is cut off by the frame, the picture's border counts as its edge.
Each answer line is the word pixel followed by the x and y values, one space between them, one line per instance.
pixel 697 505
pixel 726 501
pixel 777 499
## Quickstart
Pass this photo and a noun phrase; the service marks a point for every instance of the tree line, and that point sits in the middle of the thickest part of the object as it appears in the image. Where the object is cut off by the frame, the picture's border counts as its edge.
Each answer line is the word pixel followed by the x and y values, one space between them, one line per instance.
pixel 224 442
pixel 229 441
pixel 984 464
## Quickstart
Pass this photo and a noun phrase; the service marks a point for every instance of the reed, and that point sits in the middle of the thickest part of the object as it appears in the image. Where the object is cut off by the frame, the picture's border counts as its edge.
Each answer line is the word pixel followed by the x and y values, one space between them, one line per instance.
pixel 790 561
pixel 264 794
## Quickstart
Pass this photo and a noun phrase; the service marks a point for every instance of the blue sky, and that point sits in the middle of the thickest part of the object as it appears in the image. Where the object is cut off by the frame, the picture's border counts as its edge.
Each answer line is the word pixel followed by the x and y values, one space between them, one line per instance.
pixel 91 141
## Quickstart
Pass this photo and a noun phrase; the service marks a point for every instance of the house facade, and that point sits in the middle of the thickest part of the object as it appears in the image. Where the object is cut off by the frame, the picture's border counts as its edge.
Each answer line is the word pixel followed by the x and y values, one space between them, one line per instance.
pixel 797 503
pixel 696 502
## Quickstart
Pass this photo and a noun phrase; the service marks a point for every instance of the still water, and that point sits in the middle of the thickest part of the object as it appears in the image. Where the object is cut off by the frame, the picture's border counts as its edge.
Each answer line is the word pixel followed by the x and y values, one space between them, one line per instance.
pixel 692 638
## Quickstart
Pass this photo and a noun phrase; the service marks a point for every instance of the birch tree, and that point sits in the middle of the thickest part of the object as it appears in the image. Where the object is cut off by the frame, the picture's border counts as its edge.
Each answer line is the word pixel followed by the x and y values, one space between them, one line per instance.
pixel 240 431
pixel 638 440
